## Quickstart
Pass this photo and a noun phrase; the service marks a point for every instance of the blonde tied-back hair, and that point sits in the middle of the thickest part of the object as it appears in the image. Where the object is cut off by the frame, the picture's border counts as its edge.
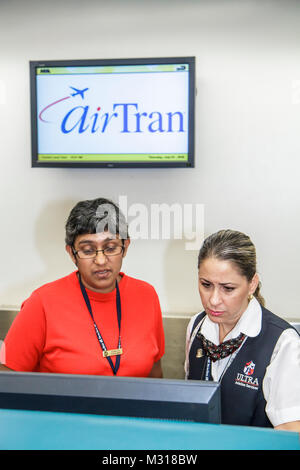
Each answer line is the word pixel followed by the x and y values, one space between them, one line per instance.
pixel 234 246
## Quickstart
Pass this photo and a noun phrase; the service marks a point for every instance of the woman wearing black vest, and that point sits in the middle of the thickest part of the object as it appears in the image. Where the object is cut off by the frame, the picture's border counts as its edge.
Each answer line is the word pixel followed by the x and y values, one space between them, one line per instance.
pixel 254 354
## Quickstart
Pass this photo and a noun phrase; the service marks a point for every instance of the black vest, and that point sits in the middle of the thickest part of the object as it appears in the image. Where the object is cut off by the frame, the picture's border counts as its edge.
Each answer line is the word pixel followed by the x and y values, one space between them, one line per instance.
pixel 242 399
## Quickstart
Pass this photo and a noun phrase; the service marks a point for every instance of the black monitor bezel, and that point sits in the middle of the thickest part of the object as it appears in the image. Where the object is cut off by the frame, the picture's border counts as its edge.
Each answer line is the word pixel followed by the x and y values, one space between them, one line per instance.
pixel 188 400
pixel 128 61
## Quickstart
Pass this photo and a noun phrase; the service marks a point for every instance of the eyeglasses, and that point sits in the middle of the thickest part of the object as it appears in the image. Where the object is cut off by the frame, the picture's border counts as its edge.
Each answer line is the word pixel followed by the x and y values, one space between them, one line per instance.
pixel 91 253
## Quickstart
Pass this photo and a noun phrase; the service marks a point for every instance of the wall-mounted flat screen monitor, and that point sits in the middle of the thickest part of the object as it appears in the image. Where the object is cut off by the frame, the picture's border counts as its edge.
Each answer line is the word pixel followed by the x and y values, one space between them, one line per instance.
pixel 113 113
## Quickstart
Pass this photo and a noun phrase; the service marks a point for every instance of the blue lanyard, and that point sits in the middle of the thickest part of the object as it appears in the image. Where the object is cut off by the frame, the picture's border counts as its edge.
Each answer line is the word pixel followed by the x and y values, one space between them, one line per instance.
pixel 113 352
pixel 208 369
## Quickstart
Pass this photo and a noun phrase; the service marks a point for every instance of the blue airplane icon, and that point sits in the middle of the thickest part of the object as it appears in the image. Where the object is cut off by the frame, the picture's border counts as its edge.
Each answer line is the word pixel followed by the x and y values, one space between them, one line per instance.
pixel 78 92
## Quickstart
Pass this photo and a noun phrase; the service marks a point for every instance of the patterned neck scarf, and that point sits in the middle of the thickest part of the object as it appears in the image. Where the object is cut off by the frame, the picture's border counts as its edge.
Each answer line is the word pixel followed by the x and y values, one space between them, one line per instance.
pixel 224 349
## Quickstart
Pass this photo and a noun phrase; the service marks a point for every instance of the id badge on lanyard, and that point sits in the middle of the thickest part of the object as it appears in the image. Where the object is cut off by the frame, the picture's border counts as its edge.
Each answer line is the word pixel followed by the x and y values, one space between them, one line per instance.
pixel 112 352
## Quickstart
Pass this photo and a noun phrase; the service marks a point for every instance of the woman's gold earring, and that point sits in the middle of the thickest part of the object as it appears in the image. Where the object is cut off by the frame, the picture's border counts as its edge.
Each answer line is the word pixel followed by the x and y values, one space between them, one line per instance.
pixel 250 297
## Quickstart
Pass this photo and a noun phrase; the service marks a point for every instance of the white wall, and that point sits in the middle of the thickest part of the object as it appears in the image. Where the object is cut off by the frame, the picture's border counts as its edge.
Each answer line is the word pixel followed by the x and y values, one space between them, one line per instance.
pixel 247 138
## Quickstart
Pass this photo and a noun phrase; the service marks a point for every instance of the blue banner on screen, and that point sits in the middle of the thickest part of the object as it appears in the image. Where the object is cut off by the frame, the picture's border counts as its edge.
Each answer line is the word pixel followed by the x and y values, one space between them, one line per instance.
pixel 113 113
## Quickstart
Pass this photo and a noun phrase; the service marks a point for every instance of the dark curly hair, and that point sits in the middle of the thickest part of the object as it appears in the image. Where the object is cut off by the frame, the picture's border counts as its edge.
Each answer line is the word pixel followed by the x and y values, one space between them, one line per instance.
pixel 95 216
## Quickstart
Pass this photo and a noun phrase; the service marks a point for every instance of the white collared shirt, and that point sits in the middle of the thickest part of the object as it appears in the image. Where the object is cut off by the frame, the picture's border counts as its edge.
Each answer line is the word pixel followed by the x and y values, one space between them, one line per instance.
pixel 281 384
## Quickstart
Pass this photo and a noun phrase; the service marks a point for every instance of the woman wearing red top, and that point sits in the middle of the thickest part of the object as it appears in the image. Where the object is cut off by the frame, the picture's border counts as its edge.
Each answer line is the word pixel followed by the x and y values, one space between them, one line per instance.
pixel 97 320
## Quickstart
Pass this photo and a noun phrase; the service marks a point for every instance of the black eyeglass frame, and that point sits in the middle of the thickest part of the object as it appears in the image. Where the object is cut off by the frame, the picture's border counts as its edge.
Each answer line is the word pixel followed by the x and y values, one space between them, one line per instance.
pixel 75 252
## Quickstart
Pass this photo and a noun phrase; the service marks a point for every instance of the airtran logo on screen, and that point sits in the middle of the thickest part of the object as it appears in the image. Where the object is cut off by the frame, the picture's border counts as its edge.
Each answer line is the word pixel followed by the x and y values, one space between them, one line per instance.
pixel 130 117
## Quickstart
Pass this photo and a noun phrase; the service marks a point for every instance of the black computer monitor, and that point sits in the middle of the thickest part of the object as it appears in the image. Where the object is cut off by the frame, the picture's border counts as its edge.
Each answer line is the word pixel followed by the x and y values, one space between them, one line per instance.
pixel 196 401
pixel 128 113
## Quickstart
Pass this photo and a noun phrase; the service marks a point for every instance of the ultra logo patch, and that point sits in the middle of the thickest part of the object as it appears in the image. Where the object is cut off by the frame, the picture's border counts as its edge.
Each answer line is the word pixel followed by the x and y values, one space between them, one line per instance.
pixel 246 379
